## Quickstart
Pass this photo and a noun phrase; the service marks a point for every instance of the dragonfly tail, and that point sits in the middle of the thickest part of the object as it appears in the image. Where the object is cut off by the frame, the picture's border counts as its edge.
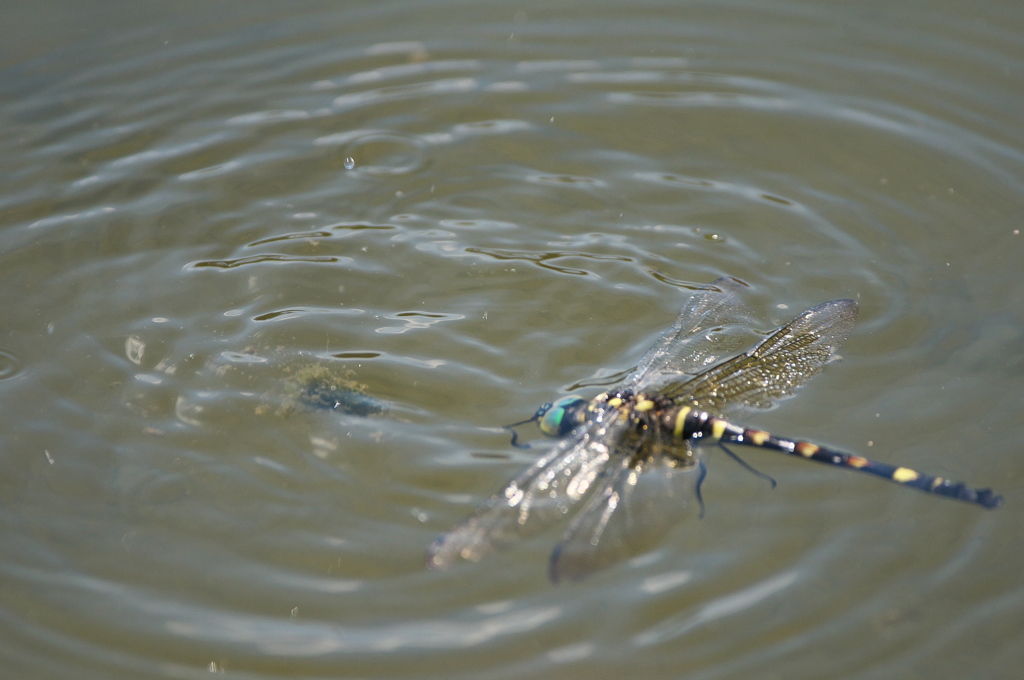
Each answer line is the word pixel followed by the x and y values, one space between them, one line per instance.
pixel 986 498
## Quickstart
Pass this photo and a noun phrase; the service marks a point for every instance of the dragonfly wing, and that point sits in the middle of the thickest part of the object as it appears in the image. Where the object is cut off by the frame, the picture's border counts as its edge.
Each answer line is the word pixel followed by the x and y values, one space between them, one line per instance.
pixel 775 367
pixel 535 499
pixel 629 515
pixel 709 326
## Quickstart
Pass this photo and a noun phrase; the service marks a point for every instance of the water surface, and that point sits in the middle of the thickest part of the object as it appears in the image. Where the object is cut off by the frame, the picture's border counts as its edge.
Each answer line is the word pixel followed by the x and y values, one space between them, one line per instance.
pixel 468 209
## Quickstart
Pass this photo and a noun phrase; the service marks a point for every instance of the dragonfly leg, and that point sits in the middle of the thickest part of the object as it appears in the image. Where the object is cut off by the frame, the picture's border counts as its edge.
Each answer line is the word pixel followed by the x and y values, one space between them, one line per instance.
pixel 700 480
pixel 515 436
pixel 511 427
pixel 748 466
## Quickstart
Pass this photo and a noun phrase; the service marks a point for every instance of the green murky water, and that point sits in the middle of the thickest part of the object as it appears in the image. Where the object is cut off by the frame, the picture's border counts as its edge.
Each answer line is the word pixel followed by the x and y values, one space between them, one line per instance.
pixel 455 212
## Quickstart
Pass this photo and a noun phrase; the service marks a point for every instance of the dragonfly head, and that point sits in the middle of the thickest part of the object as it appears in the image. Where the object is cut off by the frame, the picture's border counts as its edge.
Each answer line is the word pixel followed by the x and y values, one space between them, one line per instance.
pixel 562 417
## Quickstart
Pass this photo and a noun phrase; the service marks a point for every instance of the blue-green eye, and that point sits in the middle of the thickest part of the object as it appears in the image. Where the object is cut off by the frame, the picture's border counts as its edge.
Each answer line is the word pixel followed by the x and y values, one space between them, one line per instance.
pixel 563 416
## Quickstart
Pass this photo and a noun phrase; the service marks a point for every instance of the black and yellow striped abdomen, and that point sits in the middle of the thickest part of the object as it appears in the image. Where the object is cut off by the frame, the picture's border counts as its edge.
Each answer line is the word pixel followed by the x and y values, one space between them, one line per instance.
pixel 694 425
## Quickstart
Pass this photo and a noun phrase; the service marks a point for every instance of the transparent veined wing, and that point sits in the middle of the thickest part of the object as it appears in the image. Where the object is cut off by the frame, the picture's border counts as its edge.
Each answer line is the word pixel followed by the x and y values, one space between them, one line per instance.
pixel 629 514
pixel 538 497
pixel 713 323
pixel 774 368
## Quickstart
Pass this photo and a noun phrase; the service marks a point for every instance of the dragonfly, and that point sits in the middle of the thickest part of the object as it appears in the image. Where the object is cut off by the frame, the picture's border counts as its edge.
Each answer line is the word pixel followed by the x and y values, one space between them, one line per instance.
pixel 631 456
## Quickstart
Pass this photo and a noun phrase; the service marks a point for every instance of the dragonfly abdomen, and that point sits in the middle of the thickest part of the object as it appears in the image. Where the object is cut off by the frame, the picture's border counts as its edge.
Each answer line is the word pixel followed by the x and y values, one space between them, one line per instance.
pixel 691 424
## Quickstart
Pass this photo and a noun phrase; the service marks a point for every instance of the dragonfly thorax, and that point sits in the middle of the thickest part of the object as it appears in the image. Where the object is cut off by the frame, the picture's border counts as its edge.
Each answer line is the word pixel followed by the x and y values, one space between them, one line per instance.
pixel 562 417
pixel 646 411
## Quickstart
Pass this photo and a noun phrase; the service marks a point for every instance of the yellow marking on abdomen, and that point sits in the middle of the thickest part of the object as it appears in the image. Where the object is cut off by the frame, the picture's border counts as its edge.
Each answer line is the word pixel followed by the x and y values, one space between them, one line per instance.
pixel 615 402
pixel 644 405
pixel 905 475
pixel 857 461
pixel 937 482
pixel 759 437
pixel 677 432
pixel 806 450
pixel 718 428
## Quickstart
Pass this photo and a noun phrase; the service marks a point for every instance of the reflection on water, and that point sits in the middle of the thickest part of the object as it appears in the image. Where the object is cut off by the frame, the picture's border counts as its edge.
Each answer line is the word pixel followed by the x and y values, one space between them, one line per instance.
pixel 458 217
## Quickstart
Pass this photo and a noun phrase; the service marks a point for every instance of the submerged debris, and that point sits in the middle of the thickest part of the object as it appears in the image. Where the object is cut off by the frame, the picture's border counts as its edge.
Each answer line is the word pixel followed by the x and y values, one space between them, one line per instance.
pixel 323 387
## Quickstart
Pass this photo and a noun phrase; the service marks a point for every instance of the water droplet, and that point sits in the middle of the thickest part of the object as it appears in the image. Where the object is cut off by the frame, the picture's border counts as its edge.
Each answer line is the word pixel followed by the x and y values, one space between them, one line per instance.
pixel 385 153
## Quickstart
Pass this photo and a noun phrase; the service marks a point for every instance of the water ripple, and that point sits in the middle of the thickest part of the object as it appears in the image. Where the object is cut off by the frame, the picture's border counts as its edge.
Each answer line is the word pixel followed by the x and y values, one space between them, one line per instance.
pixel 466 225
pixel 546 259
pixel 713 610
pixel 10 365
pixel 259 259
pixel 400 92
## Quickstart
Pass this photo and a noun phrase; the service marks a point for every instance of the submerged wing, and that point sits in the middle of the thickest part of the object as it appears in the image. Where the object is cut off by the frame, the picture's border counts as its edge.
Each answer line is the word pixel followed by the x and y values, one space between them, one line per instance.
pixel 775 367
pixel 631 513
pixel 705 330
pixel 536 498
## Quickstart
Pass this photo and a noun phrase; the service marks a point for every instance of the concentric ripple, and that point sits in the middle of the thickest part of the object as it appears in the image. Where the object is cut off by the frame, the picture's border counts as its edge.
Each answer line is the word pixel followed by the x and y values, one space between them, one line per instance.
pixel 276 277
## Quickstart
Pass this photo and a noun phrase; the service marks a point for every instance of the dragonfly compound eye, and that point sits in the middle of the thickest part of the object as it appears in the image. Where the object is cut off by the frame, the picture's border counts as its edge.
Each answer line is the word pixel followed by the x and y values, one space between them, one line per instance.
pixel 563 416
